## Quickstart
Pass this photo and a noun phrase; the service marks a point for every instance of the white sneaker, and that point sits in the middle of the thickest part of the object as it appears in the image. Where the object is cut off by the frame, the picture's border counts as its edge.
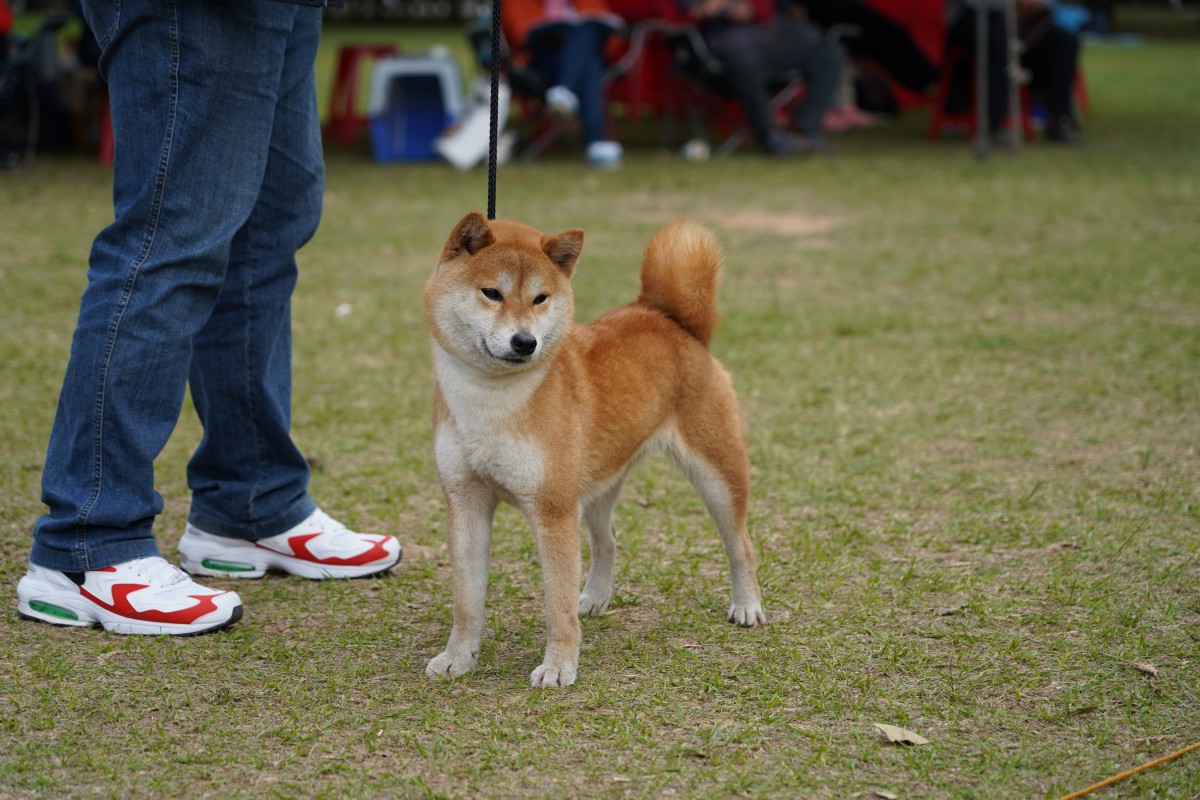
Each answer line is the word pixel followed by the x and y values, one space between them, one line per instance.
pixel 605 154
pixel 319 547
pixel 144 596
pixel 562 101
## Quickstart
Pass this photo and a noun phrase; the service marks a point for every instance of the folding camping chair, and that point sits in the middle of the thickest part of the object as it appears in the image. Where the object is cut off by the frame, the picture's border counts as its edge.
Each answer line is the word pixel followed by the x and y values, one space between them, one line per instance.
pixel 710 96
pixel 529 88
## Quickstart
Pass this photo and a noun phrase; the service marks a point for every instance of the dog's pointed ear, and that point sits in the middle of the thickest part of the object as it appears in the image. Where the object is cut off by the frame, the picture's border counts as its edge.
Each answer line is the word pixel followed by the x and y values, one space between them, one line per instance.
pixel 470 235
pixel 564 249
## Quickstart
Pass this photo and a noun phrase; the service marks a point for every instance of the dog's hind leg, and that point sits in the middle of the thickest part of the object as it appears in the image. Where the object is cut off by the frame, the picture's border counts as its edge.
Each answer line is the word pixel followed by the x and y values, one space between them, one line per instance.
pixel 598 516
pixel 712 453
pixel 726 502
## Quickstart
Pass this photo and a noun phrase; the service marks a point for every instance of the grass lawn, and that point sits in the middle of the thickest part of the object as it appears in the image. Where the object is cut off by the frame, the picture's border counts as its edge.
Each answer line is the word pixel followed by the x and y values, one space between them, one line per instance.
pixel 972 397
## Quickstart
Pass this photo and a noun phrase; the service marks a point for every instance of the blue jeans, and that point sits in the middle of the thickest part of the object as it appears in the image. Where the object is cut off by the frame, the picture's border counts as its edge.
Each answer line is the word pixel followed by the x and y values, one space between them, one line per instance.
pixel 572 55
pixel 217 181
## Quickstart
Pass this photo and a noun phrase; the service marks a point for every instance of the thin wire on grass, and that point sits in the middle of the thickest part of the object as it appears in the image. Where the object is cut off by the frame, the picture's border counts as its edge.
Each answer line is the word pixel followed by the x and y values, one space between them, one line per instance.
pixel 1128 772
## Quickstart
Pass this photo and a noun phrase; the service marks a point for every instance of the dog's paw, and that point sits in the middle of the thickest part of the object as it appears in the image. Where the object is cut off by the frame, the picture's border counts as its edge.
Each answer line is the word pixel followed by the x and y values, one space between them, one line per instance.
pixel 548 676
pixel 447 667
pixel 747 614
pixel 592 606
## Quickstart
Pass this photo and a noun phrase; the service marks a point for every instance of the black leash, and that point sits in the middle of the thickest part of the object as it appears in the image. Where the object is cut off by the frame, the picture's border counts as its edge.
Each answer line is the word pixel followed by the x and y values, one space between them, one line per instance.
pixel 493 135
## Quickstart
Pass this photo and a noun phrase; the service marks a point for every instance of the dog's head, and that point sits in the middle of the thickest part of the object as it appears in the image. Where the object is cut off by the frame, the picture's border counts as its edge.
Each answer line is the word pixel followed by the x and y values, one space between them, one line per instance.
pixel 500 298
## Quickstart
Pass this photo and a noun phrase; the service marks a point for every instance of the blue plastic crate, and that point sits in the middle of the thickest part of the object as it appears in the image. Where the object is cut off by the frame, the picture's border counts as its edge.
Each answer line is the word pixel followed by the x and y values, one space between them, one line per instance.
pixel 413 100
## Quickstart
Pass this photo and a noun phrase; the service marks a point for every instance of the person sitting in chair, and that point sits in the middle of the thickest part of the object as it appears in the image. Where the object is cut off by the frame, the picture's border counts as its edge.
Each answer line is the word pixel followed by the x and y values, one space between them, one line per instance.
pixel 752 43
pixel 1050 53
pixel 877 37
pixel 564 42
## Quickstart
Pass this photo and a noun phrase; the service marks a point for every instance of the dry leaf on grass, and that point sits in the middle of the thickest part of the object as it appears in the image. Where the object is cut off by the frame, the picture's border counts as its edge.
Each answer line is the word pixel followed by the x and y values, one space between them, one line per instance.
pixel 1146 667
pixel 413 552
pixel 949 611
pixel 884 795
pixel 900 735
pixel 1170 737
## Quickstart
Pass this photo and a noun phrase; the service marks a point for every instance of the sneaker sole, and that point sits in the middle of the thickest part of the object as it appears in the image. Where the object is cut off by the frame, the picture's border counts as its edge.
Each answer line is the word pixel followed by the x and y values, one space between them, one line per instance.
pixel 198 557
pixel 78 612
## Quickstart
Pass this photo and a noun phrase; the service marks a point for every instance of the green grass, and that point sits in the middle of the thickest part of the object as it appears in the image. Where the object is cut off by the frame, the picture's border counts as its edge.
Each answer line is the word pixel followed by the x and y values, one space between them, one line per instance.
pixel 968 388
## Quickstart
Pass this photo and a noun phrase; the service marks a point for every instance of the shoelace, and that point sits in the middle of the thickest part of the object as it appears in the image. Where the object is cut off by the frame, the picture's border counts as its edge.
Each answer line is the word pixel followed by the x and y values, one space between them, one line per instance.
pixel 158 571
pixel 331 527
pixel 327 523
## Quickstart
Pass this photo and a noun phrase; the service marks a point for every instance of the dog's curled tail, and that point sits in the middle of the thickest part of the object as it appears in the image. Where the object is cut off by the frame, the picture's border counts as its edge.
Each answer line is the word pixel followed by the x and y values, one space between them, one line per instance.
pixel 681 271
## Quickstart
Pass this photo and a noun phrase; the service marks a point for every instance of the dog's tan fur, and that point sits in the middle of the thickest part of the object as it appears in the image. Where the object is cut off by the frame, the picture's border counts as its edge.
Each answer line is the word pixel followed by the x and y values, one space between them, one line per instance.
pixel 555 431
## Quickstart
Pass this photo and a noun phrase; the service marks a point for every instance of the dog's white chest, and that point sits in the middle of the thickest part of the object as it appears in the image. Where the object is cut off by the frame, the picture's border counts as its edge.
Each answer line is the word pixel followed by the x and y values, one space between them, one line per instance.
pixel 483 436
pixel 507 461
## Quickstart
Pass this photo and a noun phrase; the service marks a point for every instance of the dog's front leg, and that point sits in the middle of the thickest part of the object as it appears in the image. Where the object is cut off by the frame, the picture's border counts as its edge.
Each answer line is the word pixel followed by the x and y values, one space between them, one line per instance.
pixel 469 529
pixel 557 532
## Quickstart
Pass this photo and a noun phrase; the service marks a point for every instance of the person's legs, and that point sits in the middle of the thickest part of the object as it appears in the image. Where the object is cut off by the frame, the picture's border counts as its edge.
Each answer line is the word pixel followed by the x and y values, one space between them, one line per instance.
pixel 191 87
pixel 879 38
pixel 251 511
pixel 962 35
pixel 248 479
pixel 570 58
pixel 745 75
pixel 545 48
pixel 1052 61
pixel 581 68
pixel 796 45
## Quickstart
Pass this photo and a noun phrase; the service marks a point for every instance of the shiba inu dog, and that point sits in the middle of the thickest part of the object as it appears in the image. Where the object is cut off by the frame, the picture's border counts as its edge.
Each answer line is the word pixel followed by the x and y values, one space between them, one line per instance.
pixel 534 410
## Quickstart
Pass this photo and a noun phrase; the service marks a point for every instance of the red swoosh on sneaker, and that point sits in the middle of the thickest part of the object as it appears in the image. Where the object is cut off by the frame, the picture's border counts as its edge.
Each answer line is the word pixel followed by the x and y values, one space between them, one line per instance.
pixel 299 545
pixel 121 605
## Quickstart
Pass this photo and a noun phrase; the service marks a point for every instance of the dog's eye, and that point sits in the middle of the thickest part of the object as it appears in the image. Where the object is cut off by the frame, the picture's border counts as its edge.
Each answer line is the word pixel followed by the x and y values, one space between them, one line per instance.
pixel 492 294
pixel 541 298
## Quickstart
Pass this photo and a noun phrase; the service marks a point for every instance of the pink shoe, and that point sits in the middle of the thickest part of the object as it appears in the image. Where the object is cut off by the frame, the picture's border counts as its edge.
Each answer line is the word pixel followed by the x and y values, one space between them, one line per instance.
pixel 858 119
pixel 847 118
pixel 835 121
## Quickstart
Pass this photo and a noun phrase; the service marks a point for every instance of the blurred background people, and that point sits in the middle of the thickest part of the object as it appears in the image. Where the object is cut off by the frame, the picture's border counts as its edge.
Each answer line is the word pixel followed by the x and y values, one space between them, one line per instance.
pixel 564 42
pixel 1049 52
pixel 753 43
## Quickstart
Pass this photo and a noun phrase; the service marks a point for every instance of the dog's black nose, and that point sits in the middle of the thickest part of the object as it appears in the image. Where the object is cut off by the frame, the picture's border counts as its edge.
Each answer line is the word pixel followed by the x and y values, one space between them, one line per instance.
pixel 523 344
